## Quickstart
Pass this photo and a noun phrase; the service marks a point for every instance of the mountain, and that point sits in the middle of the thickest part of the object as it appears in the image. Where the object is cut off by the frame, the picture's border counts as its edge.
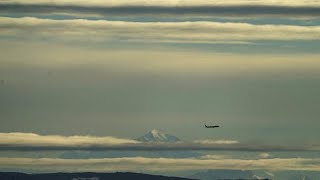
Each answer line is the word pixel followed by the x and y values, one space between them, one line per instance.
pixel 158 136
pixel 84 176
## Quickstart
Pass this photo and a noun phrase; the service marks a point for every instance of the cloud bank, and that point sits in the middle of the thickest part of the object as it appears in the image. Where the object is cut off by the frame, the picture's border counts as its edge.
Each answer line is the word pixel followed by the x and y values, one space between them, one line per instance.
pixel 157 164
pixel 34 142
pixel 160 32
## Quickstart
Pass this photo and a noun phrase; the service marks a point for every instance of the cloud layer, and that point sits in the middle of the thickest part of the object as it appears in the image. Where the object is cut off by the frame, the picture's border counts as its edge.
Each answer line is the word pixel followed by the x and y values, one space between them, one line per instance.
pixel 157 164
pixel 161 32
pixel 34 142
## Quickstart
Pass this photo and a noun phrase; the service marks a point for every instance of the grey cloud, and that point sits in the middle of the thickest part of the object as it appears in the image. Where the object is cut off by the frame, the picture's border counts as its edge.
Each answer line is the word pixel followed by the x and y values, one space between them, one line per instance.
pixel 219 11
pixel 298 8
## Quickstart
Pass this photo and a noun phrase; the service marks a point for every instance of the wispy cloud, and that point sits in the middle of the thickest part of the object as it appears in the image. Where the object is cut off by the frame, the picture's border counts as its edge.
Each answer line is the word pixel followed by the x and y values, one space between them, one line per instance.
pixel 157 164
pixel 184 32
pixel 34 142
pixel 209 156
pixel 265 155
pixel 209 141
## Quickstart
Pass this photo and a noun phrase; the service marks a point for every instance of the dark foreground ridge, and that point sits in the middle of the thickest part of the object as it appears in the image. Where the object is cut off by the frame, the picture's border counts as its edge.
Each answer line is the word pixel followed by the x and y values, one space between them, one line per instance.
pixel 84 176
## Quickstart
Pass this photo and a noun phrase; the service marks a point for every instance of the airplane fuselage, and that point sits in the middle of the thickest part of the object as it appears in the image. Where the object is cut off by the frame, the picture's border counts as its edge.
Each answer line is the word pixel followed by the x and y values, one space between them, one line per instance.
pixel 211 126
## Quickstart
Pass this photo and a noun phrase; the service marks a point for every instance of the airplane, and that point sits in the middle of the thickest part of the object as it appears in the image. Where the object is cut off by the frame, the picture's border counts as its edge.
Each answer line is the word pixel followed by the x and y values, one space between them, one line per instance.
pixel 211 126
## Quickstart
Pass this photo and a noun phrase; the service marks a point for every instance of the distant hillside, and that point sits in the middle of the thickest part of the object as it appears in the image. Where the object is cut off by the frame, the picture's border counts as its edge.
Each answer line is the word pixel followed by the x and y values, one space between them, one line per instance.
pixel 84 176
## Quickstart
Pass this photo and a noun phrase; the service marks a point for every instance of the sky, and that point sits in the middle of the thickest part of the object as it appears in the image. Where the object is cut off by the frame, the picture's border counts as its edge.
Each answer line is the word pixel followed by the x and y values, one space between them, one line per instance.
pixel 95 75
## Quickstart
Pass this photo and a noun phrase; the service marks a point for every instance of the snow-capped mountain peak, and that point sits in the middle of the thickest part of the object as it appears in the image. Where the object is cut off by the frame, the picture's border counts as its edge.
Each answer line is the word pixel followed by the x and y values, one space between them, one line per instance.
pixel 158 136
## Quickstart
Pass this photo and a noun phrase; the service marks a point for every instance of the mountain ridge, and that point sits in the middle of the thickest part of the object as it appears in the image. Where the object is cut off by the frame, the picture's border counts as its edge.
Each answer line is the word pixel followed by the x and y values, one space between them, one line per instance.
pixel 85 176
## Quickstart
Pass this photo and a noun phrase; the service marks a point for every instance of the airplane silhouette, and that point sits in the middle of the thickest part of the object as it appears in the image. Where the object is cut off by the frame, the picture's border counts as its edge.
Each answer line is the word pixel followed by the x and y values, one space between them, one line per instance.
pixel 211 126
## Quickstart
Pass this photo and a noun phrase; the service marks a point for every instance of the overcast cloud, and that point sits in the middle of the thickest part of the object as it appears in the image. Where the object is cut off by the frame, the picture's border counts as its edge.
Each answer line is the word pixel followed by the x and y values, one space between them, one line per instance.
pixel 89 72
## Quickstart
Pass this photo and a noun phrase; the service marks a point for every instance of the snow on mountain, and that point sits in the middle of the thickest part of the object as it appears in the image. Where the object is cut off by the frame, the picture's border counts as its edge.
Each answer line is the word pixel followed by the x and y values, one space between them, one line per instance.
pixel 158 136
